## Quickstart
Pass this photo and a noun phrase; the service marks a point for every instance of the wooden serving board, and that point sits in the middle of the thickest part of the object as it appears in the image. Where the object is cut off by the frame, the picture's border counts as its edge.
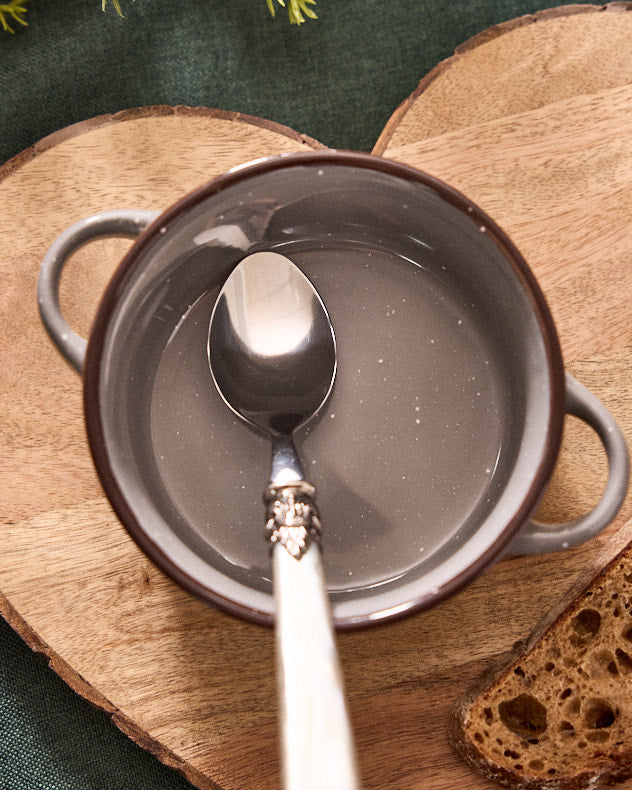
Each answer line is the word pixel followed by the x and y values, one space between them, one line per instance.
pixel 531 120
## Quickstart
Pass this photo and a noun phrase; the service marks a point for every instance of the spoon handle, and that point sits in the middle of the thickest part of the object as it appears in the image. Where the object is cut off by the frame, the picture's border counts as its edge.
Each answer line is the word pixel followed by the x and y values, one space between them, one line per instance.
pixel 317 741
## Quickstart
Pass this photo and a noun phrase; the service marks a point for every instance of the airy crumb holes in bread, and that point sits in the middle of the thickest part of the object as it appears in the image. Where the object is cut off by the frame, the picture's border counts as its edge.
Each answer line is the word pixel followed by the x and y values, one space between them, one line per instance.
pixel 558 715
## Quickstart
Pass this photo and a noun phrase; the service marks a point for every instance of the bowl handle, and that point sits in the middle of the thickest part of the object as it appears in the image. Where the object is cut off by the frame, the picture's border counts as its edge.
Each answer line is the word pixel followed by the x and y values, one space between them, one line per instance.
pixel 122 222
pixel 538 538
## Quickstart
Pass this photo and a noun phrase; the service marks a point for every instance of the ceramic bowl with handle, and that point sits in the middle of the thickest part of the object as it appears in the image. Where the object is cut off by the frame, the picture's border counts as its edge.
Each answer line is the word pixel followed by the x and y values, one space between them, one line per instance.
pixel 446 418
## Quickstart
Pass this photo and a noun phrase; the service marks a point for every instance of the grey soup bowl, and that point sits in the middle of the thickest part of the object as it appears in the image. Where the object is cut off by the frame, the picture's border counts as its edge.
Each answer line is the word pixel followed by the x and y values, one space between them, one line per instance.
pixel 445 420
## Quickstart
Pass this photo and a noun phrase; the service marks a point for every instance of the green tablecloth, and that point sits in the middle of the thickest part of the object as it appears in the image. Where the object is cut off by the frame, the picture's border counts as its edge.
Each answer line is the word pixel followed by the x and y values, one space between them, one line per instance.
pixel 337 79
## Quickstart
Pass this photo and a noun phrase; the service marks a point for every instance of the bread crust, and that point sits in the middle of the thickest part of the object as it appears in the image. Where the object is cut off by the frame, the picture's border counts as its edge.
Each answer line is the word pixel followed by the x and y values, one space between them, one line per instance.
pixel 513 726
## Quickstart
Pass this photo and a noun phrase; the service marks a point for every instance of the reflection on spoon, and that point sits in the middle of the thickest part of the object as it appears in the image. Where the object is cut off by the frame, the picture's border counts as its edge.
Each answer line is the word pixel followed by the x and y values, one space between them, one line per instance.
pixel 272 355
pixel 247 302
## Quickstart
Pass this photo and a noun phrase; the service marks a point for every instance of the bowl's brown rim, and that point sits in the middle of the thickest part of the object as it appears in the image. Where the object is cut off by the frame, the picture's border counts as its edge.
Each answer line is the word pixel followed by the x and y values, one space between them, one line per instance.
pixel 114 289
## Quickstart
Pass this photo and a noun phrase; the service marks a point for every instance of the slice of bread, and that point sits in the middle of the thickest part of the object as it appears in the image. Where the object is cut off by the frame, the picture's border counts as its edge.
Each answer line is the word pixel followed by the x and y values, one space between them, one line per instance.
pixel 556 712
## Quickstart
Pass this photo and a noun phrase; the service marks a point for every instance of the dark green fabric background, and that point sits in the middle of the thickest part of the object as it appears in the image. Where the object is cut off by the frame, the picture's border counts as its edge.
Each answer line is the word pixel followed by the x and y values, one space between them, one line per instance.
pixel 337 79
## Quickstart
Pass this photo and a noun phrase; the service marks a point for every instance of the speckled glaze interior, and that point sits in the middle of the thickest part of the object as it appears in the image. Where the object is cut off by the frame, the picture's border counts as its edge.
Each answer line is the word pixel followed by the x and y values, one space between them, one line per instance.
pixel 445 418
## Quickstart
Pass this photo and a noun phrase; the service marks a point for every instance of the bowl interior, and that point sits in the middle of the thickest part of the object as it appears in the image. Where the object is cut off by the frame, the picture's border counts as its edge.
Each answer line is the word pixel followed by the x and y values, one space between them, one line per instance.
pixel 427 455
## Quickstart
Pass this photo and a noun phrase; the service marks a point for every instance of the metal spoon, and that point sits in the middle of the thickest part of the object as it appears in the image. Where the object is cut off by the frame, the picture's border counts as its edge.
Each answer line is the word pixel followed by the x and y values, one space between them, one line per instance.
pixel 272 355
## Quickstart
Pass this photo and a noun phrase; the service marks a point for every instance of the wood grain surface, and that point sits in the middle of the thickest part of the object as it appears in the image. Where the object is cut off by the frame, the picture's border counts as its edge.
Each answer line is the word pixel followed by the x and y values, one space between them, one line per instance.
pixel 552 164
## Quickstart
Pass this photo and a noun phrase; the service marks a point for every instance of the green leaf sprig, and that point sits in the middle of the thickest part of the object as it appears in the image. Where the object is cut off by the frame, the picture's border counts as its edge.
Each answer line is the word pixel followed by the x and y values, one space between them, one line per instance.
pixel 117 5
pixel 295 10
pixel 15 10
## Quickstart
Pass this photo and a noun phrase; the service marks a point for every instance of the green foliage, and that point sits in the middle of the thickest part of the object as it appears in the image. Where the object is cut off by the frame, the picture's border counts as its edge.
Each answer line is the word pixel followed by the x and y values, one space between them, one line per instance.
pixel 14 10
pixel 117 5
pixel 296 9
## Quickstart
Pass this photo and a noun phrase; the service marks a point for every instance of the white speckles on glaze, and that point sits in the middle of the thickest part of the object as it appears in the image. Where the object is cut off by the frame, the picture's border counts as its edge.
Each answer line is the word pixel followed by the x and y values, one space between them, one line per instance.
pixel 386 463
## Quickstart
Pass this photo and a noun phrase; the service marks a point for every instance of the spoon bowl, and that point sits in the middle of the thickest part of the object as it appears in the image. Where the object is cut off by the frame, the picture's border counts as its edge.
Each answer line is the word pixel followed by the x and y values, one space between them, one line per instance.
pixel 274 374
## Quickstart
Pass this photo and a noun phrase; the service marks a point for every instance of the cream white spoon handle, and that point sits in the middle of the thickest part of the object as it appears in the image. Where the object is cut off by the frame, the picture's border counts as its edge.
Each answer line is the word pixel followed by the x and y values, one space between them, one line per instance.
pixel 317 742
